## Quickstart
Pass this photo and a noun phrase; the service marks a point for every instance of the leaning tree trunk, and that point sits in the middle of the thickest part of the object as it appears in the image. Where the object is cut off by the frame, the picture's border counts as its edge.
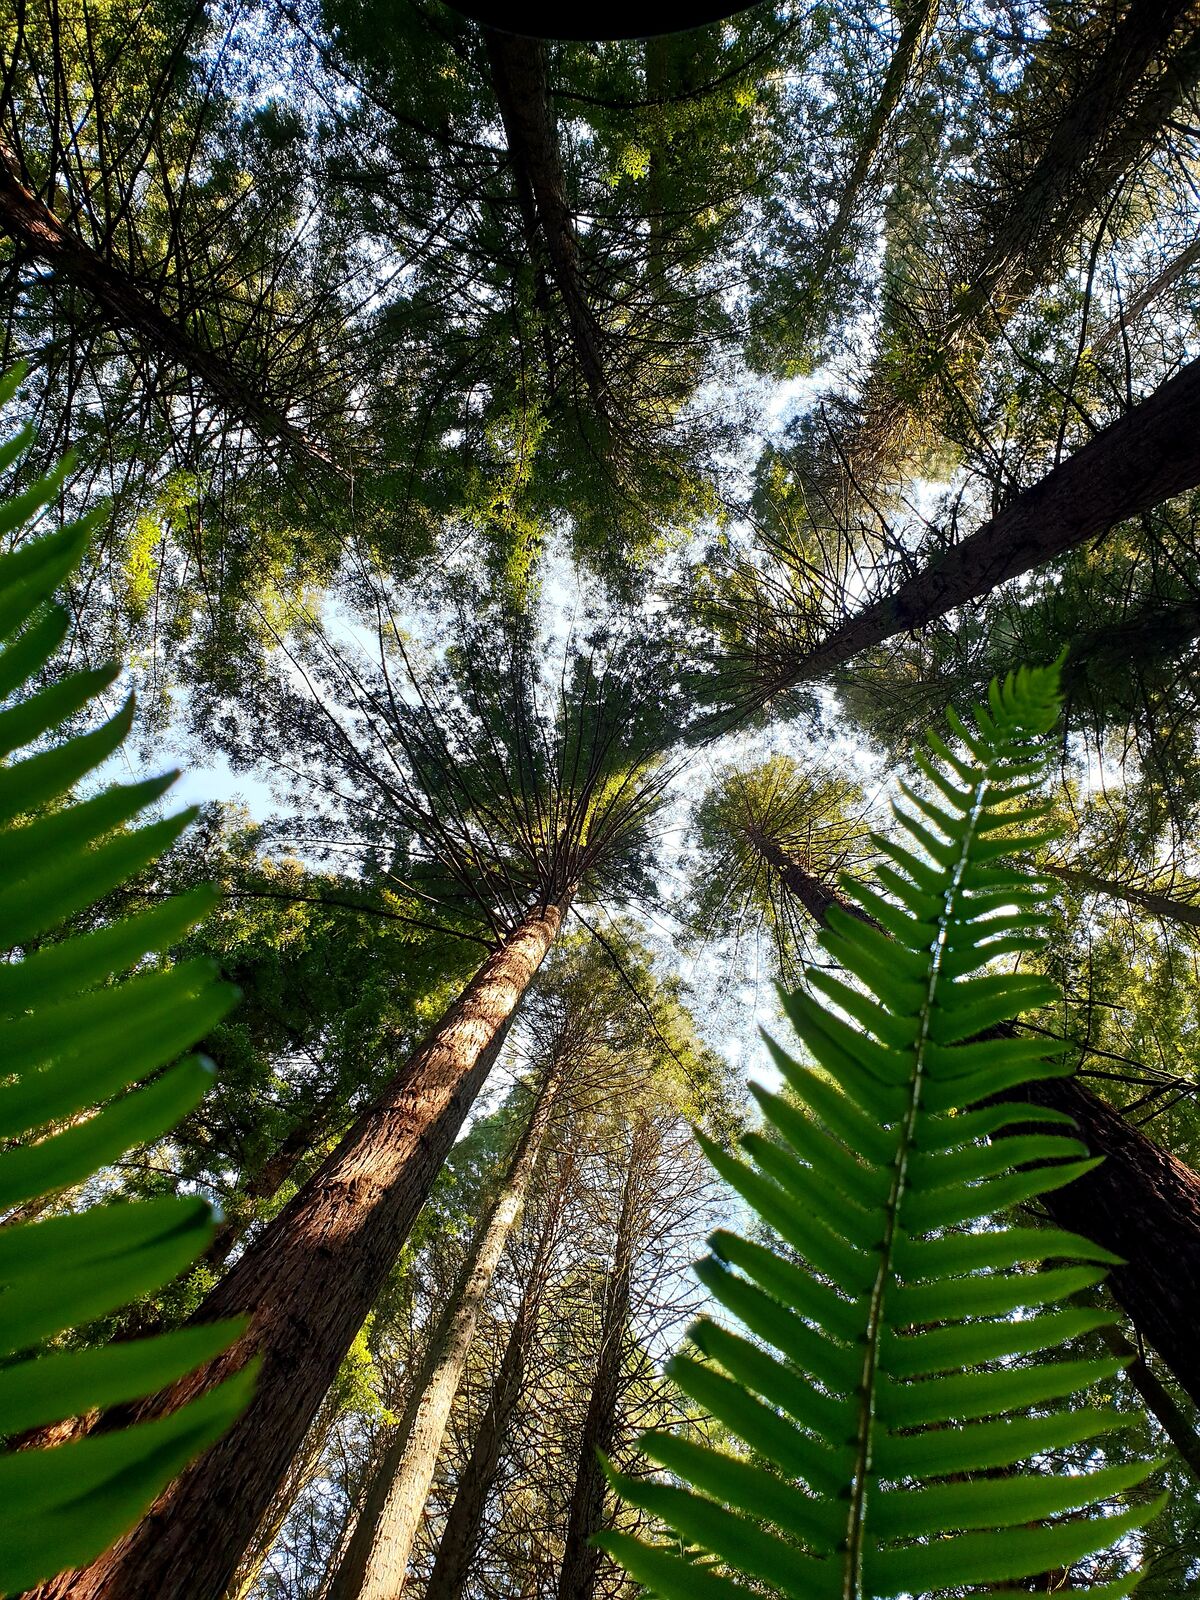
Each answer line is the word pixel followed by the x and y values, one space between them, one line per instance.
pixel 1093 144
pixel 460 1536
pixel 375 1564
pixel 119 298
pixel 1141 1202
pixel 1158 285
pixel 581 1560
pixel 1144 458
pixel 301 1471
pixel 1144 72
pixel 1157 904
pixel 307 1283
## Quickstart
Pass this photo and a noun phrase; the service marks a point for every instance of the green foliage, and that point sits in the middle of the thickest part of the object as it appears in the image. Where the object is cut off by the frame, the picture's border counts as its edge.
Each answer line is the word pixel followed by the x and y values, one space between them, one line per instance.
pixel 883 1424
pixel 73 1036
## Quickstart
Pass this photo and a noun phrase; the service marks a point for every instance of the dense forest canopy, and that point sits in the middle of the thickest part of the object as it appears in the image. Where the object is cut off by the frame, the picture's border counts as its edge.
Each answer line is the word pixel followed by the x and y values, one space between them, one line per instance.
pixel 542 491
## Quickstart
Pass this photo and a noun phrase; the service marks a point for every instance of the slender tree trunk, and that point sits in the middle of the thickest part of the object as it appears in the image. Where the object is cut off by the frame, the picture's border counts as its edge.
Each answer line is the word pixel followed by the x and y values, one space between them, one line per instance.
pixel 266 1183
pixel 375 1565
pixel 1144 458
pixel 1147 64
pixel 1141 1202
pixel 1156 1397
pixel 917 20
pixel 1159 905
pixel 39 234
pixel 1158 285
pixel 522 87
pixel 577 1575
pixel 656 66
pixel 460 1537
pixel 307 1283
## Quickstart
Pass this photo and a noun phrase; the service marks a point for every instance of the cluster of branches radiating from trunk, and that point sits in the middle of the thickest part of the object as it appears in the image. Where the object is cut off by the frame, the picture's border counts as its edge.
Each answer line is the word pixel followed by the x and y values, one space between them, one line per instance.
pixel 473 775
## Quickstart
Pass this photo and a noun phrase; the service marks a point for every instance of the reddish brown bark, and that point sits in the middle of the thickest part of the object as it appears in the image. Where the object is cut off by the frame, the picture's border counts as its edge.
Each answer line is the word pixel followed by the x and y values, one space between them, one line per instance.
pixel 40 234
pixel 307 1283
pixel 1141 1202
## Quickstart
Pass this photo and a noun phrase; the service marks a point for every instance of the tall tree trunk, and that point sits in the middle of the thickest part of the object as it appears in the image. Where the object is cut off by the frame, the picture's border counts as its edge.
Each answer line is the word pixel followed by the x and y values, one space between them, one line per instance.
pixel 1144 458
pixel 917 19
pixel 1092 145
pixel 460 1537
pixel 1146 63
pixel 275 1171
pixel 521 83
pixel 375 1565
pixel 1157 904
pixel 39 234
pixel 1141 1202
pixel 580 1562
pixel 301 1471
pixel 656 68
pixel 307 1283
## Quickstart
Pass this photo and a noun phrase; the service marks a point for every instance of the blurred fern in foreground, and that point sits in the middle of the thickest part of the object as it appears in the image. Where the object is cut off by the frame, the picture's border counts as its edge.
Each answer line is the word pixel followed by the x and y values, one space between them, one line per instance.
pixel 72 1038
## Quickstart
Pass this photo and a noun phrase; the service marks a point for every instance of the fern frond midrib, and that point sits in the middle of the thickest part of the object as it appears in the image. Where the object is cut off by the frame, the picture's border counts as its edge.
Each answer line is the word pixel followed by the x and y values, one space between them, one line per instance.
pixel 852 1585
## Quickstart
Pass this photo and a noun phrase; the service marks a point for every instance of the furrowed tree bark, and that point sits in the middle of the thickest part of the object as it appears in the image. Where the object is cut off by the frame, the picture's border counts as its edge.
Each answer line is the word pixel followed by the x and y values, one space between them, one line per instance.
pixel 375 1564
pixel 460 1537
pixel 40 235
pixel 307 1283
pixel 1144 458
pixel 580 1563
pixel 1141 1202
pixel 521 84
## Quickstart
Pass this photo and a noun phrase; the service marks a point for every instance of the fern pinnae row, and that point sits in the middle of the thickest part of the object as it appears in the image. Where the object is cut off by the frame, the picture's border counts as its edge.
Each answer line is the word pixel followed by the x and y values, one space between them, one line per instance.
pixel 852 1583
pixel 913 1357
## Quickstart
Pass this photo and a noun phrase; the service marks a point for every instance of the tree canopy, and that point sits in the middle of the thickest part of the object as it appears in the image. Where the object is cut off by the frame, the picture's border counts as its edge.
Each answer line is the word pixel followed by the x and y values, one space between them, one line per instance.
pixel 543 491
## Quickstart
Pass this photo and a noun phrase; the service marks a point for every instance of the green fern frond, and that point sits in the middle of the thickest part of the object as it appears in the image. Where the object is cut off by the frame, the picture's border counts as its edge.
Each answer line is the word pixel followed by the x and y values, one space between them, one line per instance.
pixel 72 1036
pixel 878 1382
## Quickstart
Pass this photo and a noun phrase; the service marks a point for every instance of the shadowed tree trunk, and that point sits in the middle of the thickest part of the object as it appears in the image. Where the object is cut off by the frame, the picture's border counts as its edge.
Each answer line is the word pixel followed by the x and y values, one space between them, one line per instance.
pixel 307 1283
pixel 123 302
pixel 1141 1202
pixel 1144 458
pixel 460 1537
pixel 522 88
pixel 1147 64
pixel 1158 285
pixel 1094 143
pixel 375 1565
pixel 271 1177
pixel 301 1471
pixel 577 1575
pixel 917 19
pixel 1156 903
